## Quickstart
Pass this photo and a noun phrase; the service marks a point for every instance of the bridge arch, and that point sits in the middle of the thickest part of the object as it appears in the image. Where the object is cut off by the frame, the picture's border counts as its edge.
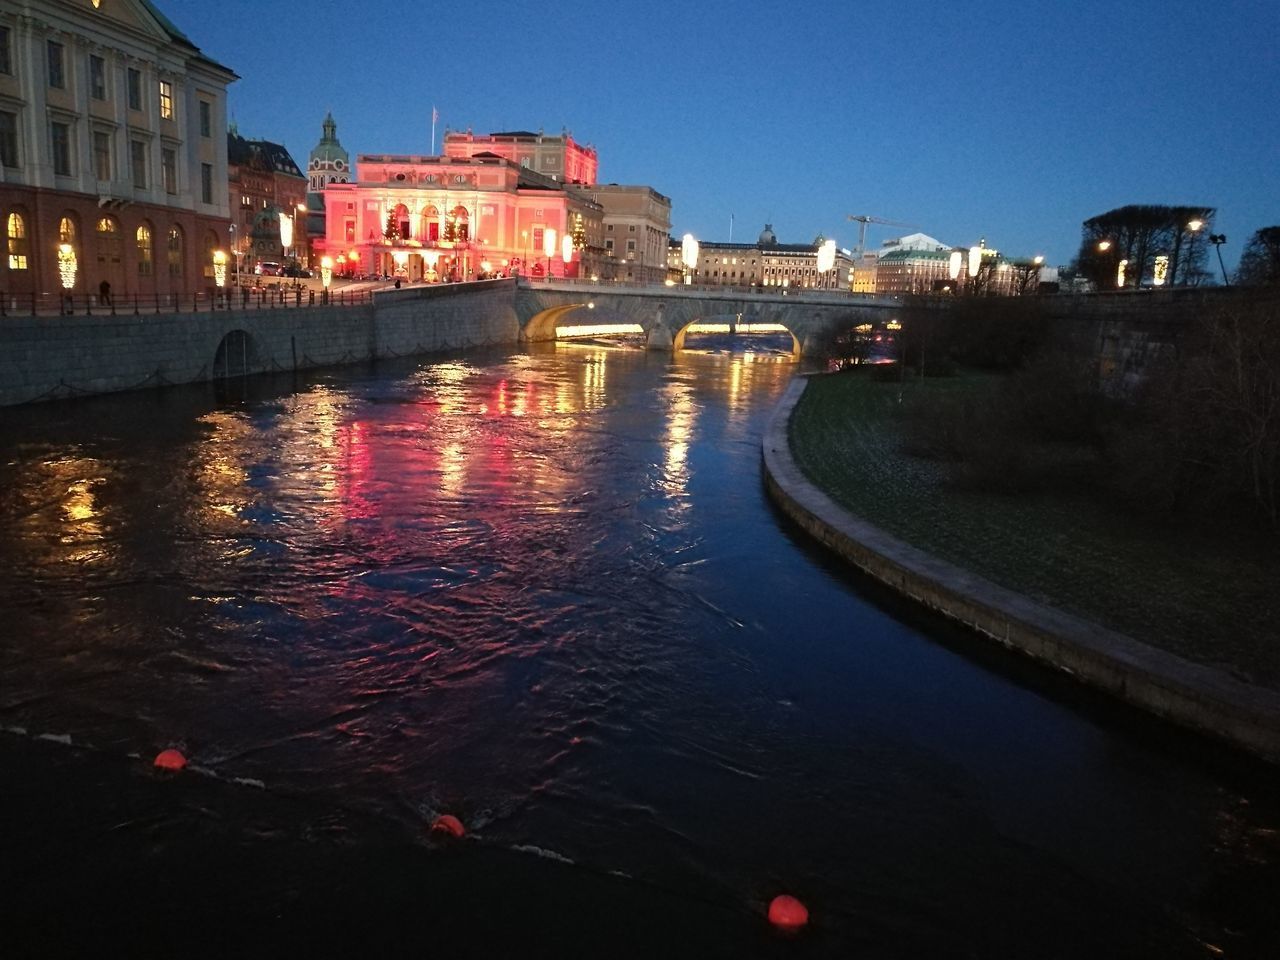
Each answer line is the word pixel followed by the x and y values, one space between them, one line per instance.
pixel 550 323
pixel 741 322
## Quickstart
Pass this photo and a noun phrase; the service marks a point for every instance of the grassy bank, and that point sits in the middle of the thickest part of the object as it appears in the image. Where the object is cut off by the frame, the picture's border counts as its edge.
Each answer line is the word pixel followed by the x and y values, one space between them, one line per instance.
pixel 1204 594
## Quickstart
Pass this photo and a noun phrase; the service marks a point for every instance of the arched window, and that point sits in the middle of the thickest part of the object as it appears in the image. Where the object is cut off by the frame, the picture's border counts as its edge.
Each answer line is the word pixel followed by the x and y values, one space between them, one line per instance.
pixel 456 227
pixel 401 220
pixel 16 229
pixel 430 224
pixel 67 231
pixel 175 251
pixel 108 240
pixel 144 251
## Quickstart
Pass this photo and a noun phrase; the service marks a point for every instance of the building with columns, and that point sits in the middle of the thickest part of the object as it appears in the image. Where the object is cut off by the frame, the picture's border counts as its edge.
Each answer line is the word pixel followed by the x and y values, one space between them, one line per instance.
pixel 457 218
pixel 765 263
pixel 112 151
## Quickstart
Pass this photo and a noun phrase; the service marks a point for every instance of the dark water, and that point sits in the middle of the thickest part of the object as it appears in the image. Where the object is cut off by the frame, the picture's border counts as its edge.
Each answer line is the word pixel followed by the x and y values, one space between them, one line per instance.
pixel 546 592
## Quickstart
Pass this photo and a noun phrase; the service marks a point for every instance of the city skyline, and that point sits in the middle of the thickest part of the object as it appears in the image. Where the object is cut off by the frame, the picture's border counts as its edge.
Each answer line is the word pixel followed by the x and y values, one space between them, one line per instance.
pixel 1009 126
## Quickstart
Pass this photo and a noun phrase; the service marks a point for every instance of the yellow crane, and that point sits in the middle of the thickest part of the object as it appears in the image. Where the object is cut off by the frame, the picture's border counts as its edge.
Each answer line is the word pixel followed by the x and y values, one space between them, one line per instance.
pixel 862 221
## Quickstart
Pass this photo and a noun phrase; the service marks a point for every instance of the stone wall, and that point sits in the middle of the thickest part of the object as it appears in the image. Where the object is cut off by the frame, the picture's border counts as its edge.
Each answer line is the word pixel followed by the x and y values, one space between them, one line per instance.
pixel 46 358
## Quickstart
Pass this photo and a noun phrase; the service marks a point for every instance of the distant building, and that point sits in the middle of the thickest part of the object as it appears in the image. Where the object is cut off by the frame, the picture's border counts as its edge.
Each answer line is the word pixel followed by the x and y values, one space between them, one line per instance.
pixel 265 184
pixel 328 163
pixel 911 271
pixel 111 143
pixel 637 222
pixel 765 263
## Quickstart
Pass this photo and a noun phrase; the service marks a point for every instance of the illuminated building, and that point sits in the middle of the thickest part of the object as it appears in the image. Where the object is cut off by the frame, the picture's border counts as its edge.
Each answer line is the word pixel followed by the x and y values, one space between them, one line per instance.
pixel 765 263
pixel 560 158
pixel 111 141
pixel 456 218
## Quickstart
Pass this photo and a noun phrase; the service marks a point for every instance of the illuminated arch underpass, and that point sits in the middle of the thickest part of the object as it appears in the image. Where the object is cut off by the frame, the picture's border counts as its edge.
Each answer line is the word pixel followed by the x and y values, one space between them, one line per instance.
pixel 577 321
pixel 734 325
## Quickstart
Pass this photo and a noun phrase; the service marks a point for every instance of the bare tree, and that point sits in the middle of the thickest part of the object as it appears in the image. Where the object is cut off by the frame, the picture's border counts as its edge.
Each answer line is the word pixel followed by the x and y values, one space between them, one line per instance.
pixel 1138 234
pixel 1260 262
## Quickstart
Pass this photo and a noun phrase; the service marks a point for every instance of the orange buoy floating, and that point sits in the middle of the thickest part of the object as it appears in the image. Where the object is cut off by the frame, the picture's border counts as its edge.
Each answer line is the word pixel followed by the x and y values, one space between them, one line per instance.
pixel 787 913
pixel 448 823
pixel 170 760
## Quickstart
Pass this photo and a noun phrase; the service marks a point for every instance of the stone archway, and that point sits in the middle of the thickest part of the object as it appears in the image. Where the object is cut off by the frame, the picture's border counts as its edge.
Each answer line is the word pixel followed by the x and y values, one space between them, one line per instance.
pixel 692 324
pixel 236 355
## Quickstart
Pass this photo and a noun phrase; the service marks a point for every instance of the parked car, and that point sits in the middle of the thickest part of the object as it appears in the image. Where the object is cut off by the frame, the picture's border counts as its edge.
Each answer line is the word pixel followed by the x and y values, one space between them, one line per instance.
pixel 268 268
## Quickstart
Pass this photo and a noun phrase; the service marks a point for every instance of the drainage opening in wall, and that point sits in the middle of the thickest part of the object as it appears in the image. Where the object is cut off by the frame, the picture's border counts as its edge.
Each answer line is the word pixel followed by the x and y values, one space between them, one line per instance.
pixel 236 356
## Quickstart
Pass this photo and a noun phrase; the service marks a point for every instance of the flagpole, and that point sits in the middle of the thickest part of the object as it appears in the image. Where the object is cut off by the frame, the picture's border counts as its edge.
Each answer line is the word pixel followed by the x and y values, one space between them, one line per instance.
pixel 433 130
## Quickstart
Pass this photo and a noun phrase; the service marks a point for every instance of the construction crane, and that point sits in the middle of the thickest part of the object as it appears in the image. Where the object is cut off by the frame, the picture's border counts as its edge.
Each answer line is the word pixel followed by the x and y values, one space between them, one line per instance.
pixel 862 222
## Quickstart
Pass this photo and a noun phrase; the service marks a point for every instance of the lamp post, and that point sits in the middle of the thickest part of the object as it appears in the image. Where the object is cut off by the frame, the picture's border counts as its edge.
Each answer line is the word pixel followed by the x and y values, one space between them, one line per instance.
pixel 566 252
pixel 300 234
pixel 689 256
pixel 549 246
pixel 66 272
pixel 219 275
pixel 326 274
pixel 1218 239
pixel 826 260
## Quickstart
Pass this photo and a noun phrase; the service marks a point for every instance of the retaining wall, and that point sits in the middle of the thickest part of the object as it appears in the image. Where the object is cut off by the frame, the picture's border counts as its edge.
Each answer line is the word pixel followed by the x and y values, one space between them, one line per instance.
pixel 1189 694
pixel 45 358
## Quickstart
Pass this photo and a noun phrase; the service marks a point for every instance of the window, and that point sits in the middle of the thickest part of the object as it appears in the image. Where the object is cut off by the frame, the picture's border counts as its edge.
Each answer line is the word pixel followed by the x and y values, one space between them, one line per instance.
pixel 609 228
pixel 66 230
pixel 144 251
pixel 631 228
pixel 17 233
pixel 135 89
pixel 169 170
pixel 102 155
pixel 166 100
pixel 206 183
pixel 108 240
pixel 349 231
pixel 97 77
pixel 175 251
pixel 60 135
pixel 6 61
pixel 631 246
pixel 8 139
pixel 57 78
pixel 206 118
pixel 608 244
pixel 138 163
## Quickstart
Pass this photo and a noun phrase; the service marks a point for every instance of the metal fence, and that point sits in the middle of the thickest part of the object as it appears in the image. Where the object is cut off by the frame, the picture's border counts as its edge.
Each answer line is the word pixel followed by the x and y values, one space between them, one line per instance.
pixel 232 298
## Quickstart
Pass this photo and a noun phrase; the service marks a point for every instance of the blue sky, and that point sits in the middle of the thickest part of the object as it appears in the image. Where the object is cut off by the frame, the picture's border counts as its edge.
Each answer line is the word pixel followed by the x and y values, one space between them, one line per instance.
pixel 1009 121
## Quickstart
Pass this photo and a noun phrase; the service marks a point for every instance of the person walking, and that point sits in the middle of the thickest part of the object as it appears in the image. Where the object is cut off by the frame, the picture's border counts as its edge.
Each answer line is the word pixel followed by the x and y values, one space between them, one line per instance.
pixel 104 293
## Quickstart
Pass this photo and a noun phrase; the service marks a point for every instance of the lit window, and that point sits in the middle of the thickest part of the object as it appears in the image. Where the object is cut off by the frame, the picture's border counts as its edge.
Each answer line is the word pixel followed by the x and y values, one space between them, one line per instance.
pixel 166 100
pixel 66 230
pixel 144 251
pixel 17 231
pixel 108 240
pixel 175 251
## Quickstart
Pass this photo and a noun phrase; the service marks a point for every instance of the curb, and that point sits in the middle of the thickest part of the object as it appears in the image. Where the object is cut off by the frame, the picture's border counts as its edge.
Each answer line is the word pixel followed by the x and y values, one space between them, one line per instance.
pixel 1188 694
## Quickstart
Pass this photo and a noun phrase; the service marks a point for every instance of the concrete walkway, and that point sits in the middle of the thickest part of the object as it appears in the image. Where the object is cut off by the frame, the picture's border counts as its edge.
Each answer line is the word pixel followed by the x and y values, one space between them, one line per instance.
pixel 1191 695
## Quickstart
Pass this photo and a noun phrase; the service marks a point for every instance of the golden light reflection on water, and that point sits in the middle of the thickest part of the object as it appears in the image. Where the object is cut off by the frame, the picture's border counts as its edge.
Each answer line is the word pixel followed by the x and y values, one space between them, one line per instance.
pixel 682 415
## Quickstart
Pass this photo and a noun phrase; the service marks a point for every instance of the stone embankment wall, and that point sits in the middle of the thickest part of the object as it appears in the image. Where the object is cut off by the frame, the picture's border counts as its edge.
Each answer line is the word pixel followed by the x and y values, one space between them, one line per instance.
pixel 45 358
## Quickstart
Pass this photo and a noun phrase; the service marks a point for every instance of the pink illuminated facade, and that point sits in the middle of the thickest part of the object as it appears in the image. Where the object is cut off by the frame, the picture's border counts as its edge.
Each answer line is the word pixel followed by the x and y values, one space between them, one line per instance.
pixel 458 217
pixel 558 158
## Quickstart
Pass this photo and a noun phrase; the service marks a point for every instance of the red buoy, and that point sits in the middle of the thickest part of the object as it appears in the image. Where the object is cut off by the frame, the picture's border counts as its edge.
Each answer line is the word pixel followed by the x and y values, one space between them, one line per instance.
pixel 448 823
pixel 788 913
pixel 170 760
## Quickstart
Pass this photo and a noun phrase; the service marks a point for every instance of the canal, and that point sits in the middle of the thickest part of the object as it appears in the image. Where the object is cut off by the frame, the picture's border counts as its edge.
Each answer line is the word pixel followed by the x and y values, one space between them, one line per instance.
pixel 545 591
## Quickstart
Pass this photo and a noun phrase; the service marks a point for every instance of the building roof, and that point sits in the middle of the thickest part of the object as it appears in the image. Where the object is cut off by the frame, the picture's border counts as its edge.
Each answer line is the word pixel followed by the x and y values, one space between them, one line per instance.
pixel 259 155
pixel 329 149
pixel 901 256
pixel 177 36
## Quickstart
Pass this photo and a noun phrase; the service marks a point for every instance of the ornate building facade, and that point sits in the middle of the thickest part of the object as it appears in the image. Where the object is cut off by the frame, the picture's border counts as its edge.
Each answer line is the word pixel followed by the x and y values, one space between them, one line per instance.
pixel 264 185
pixel 111 149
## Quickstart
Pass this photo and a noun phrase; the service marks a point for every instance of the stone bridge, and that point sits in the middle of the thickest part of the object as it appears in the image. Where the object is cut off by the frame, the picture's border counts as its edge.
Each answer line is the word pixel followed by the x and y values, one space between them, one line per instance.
pixel 664 314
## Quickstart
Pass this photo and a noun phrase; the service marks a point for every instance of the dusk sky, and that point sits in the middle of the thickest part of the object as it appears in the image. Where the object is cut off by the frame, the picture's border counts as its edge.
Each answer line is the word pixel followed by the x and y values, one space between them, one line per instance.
pixel 1013 122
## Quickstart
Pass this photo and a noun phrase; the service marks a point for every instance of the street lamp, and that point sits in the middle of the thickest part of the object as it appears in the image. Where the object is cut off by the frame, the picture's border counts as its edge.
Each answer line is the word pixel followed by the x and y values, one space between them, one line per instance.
pixel 66 271
pixel 566 251
pixel 300 233
pixel 549 247
pixel 826 260
pixel 1218 239
pixel 326 274
pixel 689 256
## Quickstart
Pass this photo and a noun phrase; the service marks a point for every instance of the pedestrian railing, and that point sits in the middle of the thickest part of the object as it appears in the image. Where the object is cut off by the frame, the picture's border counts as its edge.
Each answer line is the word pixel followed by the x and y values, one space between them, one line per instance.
pixel 231 298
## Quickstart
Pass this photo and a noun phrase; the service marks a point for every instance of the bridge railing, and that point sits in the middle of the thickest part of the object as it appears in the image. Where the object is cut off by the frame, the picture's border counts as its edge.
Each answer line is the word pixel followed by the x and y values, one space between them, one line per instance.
pixel 231 298
pixel 724 290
